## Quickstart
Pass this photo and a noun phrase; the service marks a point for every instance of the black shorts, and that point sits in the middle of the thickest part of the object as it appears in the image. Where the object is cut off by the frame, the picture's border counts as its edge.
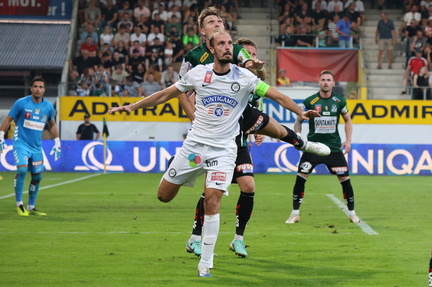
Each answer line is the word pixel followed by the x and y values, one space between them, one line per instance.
pixel 335 162
pixel 253 120
pixel 244 165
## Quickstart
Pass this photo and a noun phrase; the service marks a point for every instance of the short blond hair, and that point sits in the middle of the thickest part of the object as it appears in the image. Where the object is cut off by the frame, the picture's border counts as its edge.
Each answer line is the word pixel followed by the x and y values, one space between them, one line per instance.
pixel 207 12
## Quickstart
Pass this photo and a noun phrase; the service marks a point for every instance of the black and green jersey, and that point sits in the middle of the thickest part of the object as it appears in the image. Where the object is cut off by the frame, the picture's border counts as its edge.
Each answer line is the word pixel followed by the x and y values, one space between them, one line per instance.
pixel 324 129
pixel 201 55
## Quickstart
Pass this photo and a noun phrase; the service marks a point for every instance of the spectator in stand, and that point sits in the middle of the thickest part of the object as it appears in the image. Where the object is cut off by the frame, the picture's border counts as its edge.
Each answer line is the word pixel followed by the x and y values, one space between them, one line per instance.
pixel 89 46
pixel 101 82
pixel 303 17
pixel 337 12
pixel 318 16
pixel 190 24
pixel 163 14
pixel 93 14
pixel 150 86
pixel 109 15
pixel 413 14
pixel 141 11
pixel 385 38
pixel 79 64
pixel 417 42
pixel 333 3
pixel 87 77
pixel 104 48
pixel 131 88
pixel 421 88
pixel 322 34
pixel 118 79
pixel 191 37
pixel 154 59
pixel 157 22
pixel 333 36
pixel 282 80
pixel 359 7
pixel 177 44
pixel 117 60
pixel 168 77
pixel 173 22
pixel 303 38
pixel 413 68
pixel 138 75
pixel 120 48
pixel 323 4
pixel 174 10
pixel 168 53
pixel 355 34
pixel 285 13
pixel 106 37
pixel 191 12
pixel 134 60
pixel 125 9
pixel 136 46
pixel 286 22
pixel 157 46
pixel 139 36
pixel 353 15
pixel 343 28
pixel 428 31
pixel 424 11
pixel 89 32
pixel 177 3
pixel 287 39
pixel 126 23
pixel 409 33
pixel 156 34
pixel 106 62
pixel 82 89
pixel 153 70
pixel 123 36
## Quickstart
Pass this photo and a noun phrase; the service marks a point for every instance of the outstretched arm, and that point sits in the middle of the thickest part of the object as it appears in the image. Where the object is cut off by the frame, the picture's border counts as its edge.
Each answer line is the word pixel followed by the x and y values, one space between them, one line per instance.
pixel 154 99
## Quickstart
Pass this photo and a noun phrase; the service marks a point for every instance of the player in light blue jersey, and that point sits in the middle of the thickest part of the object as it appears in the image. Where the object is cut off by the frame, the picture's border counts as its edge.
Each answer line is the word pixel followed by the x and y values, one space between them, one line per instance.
pixel 30 114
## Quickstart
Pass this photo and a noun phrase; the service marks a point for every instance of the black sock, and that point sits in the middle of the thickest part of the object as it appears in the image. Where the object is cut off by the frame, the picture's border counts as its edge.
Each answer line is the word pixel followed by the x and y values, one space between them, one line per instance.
pixel 244 209
pixel 199 217
pixel 348 193
pixel 292 138
pixel 298 192
pixel 430 272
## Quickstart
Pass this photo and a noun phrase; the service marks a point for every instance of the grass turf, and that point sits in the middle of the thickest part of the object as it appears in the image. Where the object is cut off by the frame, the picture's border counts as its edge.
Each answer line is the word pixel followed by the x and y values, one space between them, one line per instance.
pixel 110 230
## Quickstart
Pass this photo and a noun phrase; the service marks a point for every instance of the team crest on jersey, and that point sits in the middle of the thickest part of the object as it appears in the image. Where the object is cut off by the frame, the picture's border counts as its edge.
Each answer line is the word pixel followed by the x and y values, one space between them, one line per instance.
pixel 27 115
pixel 204 57
pixel 318 108
pixel 336 100
pixel 37 111
pixel 208 77
pixel 235 87
pixel 334 109
pixel 218 111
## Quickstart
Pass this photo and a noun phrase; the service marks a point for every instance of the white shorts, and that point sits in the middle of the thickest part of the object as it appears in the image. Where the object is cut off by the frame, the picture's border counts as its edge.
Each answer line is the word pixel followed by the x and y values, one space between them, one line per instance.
pixel 194 159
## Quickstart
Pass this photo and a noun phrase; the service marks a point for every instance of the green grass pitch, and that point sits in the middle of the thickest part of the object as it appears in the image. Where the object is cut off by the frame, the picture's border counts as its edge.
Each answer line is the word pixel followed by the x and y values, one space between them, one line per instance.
pixel 110 230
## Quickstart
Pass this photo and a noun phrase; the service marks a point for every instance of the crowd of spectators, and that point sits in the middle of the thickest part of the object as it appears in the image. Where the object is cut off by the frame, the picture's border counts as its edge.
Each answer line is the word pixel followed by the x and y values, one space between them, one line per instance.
pixel 135 47
pixel 324 23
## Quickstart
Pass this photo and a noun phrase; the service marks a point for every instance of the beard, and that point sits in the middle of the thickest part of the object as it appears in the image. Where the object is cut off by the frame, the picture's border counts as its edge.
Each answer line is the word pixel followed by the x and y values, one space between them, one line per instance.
pixel 225 60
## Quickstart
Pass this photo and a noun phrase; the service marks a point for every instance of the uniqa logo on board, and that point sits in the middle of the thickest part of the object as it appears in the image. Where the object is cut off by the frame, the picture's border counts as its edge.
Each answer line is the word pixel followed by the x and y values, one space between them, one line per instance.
pixel 92 163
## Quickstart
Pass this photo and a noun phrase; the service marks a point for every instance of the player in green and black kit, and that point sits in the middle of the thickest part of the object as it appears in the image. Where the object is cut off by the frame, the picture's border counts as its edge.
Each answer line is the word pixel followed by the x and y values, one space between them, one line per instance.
pixel 253 120
pixel 325 130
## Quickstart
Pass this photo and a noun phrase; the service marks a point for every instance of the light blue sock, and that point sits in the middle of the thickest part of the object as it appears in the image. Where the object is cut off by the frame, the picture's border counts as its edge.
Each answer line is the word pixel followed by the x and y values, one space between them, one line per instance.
pixel 19 182
pixel 34 188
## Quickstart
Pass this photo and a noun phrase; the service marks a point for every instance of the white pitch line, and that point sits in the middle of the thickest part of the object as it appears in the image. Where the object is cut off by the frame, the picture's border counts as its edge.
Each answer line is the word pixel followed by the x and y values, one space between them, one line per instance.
pixel 57 184
pixel 366 228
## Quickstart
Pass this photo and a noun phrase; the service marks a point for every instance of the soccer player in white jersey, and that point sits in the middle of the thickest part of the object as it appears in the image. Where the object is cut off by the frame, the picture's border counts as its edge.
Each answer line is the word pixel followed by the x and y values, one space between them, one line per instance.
pixel 222 92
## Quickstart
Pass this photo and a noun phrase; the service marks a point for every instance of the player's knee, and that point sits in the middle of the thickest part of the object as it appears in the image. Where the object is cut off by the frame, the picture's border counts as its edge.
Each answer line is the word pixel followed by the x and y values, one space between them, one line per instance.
pixel 36 177
pixel 21 171
pixel 248 187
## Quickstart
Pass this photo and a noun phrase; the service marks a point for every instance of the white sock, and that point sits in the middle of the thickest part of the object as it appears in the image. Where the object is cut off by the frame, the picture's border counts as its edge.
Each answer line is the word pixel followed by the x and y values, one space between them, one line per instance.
pixel 209 237
pixel 295 211
pixel 238 237
pixel 19 203
pixel 195 237
pixel 351 212
pixel 30 207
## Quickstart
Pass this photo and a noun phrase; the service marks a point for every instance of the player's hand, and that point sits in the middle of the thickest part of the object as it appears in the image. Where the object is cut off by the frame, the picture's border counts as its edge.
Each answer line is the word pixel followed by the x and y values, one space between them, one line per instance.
pixel 346 147
pixel 112 110
pixel 56 150
pixel 3 144
pixel 310 114
pixel 259 139
pixel 255 64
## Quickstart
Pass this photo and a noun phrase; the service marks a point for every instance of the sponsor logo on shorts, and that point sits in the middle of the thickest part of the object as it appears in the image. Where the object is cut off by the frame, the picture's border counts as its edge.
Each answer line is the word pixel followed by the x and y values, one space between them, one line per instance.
pixel 210 163
pixel 218 176
pixel 245 168
pixel 172 172
pixel 339 170
pixel 194 160
pixel 37 163
pixel 257 125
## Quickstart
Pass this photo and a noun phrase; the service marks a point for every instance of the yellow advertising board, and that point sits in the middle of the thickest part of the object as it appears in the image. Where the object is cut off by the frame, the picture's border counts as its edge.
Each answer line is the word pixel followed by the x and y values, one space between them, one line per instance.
pixel 390 112
pixel 74 109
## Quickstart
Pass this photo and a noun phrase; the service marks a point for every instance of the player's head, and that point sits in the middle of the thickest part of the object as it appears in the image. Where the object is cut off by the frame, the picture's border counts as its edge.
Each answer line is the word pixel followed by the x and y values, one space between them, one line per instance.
pixel 326 81
pixel 249 46
pixel 37 87
pixel 210 21
pixel 221 46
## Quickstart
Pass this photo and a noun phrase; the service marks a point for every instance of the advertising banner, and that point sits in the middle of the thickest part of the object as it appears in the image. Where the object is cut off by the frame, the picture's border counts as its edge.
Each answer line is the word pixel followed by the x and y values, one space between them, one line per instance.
pixel 36 9
pixel 306 64
pixel 152 157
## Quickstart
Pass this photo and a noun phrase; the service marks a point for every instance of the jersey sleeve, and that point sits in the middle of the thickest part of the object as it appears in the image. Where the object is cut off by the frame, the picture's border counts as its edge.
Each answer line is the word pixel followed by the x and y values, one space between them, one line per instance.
pixel 187 83
pixel 15 110
pixel 344 106
pixel 241 55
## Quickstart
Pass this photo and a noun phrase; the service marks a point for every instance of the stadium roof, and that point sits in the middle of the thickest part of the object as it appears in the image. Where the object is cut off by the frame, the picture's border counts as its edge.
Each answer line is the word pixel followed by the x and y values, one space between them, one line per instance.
pixel 33 46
